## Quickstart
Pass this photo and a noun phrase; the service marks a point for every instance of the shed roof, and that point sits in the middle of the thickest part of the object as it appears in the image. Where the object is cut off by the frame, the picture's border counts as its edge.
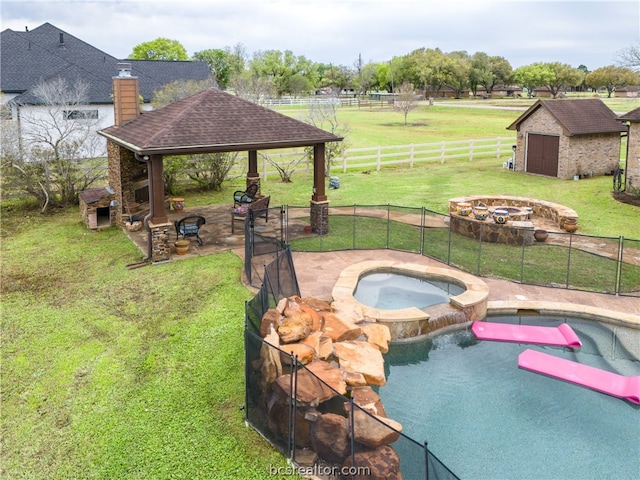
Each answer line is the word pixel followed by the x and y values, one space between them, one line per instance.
pixel 213 121
pixel 577 117
pixel 632 116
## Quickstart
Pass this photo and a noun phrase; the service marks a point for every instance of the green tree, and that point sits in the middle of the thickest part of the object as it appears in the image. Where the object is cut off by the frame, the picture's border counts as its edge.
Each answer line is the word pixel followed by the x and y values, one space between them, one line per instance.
pixel 429 70
pixel 611 78
pixel 457 69
pixel 219 64
pixel 533 76
pixel 159 49
pixel 564 76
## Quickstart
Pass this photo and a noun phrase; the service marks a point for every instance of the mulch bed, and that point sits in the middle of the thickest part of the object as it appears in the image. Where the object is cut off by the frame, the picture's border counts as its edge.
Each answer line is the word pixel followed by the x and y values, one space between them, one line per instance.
pixel 624 197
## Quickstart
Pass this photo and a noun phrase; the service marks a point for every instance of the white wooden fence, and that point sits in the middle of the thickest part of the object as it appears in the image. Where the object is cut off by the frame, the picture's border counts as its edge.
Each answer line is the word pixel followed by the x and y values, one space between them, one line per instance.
pixel 375 158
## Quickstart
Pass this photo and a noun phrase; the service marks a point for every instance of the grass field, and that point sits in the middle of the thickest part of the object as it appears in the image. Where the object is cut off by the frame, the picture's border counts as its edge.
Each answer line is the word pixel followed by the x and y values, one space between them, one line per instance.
pixel 131 374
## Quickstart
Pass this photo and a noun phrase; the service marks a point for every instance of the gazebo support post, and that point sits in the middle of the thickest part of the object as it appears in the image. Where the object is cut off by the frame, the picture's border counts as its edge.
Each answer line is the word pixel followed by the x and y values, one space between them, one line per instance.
pixel 319 210
pixel 252 173
pixel 157 222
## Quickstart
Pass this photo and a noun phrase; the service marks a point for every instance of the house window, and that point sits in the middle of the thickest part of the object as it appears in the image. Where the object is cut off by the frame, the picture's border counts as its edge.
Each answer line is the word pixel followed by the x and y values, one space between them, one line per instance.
pixel 80 114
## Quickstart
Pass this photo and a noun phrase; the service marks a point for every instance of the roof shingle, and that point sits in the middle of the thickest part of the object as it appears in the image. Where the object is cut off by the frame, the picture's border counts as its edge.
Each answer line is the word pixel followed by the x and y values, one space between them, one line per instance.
pixel 210 121
pixel 577 117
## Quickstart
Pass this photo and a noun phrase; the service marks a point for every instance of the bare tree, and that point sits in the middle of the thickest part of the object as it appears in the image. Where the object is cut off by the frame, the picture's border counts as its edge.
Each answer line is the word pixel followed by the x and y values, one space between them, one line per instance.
pixel 629 57
pixel 210 170
pixel 286 168
pixel 406 100
pixel 56 153
pixel 325 117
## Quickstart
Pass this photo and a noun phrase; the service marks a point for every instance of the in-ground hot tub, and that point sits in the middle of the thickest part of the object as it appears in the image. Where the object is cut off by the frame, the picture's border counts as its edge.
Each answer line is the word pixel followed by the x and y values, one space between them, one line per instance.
pixel 413 322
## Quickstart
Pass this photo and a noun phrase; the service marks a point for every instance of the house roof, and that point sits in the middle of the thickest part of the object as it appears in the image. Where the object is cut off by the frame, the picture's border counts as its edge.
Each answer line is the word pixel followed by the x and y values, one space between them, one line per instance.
pixel 213 121
pixel 577 117
pixel 46 52
pixel 632 116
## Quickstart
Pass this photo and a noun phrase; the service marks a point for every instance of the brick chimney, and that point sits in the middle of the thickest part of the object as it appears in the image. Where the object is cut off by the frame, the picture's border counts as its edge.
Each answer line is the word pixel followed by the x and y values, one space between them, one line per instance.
pixel 126 95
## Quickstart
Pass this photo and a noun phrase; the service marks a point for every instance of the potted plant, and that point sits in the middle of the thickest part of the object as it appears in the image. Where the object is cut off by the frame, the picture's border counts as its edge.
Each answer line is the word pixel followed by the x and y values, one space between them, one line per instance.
pixel 182 246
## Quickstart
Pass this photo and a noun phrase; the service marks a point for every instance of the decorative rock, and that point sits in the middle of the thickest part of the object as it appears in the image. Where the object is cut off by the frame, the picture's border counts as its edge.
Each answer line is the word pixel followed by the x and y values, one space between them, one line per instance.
pixel 305 353
pixel 282 305
pixel 317 304
pixel 329 437
pixel 361 357
pixel 373 430
pixel 326 347
pixel 355 379
pixel 379 464
pixel 309 391
pixel 377 334
pixel 278 421
pixel 368 400
pixel 270 365
pixel 316 322
pixel 270 317
pixel 348 310
pixel 338 329
pixel 293 329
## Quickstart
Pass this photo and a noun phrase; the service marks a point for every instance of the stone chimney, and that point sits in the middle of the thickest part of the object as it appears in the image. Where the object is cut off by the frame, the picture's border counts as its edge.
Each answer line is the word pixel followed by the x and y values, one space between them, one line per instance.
pixel 127 176
pixel 126 95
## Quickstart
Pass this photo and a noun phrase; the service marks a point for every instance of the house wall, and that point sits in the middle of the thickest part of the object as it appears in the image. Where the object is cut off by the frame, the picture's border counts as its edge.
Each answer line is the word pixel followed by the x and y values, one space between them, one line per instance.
pixel 581 154
pixel 633 156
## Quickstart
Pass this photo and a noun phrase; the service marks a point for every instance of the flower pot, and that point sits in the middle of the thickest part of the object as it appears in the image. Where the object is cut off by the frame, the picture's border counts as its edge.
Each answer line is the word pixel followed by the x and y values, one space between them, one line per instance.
pixel 182 246
pixel 480 213
pixel 178 204
pixel 133 226
pixel 570 225
pixel 500 216
pixel 540 235
pixel 464 208
pixel 308 229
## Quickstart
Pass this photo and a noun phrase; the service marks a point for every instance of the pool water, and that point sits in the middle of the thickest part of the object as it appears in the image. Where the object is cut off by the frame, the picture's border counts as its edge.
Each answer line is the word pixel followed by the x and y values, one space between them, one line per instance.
pixel 392 291
pixel 485 418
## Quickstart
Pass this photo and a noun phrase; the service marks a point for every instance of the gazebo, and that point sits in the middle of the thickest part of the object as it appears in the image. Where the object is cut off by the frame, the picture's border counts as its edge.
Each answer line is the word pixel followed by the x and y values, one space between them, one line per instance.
pixel 209 121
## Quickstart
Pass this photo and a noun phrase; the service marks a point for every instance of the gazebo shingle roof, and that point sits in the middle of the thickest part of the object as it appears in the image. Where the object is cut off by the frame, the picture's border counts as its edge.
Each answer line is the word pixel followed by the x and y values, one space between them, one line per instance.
pixel 212 121
pixel 577 117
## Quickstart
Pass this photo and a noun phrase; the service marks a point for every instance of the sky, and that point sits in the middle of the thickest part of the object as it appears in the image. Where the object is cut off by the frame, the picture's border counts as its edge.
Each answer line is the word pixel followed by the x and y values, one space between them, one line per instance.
pixel 339 32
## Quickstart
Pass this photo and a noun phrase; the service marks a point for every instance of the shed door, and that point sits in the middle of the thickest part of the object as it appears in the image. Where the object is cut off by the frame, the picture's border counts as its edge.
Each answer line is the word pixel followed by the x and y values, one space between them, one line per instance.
pixel 542 154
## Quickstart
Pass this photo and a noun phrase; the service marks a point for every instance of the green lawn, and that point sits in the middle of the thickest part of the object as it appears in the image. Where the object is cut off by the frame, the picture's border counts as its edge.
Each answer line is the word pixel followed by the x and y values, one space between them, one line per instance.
pixel 115 373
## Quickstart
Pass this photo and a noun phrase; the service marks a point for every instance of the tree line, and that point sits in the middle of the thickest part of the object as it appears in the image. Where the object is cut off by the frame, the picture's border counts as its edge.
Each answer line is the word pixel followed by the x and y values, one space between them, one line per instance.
pixel 427 70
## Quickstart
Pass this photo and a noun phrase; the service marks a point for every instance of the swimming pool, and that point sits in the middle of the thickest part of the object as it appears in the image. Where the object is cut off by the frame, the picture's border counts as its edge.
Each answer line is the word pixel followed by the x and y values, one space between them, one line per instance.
pixel 391 291
pixel 486 419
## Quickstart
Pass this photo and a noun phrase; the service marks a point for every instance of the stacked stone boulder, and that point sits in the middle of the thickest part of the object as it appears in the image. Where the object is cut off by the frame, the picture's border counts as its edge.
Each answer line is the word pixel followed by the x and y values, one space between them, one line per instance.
pixel 342 356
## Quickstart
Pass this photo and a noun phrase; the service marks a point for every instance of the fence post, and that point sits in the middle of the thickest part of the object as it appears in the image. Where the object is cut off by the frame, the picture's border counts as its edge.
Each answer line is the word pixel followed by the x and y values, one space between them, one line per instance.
pixel 426 460
pixel 499 147
pixel 479 249
pixel 344 161
pixel 619 267
pixel 441 152
pixel 378 159
pixel 411 156
pixel 470 150
pixel 388 223
pixel 569 259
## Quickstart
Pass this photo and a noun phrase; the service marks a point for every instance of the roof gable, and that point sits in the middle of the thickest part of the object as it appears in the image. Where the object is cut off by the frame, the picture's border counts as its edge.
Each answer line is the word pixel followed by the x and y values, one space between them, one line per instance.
pixel 47 52
pixel 633 116
pixel 213 120
pixel 576 117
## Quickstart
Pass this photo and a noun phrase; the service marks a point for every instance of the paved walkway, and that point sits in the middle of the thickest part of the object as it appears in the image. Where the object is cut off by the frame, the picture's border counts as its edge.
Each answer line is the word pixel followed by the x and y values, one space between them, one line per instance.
pixel 318 272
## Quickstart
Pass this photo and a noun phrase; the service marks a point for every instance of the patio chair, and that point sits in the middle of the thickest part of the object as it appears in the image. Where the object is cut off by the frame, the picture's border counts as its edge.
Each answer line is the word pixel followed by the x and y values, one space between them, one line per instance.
pixel 247 196
pixel 189 227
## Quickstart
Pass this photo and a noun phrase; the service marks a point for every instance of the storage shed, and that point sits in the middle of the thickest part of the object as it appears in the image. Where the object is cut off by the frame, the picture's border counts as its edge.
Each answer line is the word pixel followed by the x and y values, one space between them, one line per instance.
pixel 564 138
pixel 98 207
pixel 632 167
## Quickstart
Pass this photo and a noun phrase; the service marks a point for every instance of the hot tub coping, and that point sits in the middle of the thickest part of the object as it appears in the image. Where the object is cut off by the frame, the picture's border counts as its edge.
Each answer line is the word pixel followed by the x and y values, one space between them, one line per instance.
pixel 476 290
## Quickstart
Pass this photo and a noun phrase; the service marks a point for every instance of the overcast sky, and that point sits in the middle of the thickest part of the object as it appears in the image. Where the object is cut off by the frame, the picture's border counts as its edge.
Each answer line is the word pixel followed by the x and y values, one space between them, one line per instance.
pixel 338 31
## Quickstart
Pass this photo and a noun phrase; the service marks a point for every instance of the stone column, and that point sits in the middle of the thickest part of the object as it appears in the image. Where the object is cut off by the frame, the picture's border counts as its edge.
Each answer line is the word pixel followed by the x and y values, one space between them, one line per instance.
pixel 319 201
pixel 253 177
pixel 160 236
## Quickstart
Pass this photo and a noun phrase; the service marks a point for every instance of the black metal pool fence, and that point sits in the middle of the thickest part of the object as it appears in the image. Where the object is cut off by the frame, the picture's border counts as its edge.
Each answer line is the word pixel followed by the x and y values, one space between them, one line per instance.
pixel 296 424
pixel 564 260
